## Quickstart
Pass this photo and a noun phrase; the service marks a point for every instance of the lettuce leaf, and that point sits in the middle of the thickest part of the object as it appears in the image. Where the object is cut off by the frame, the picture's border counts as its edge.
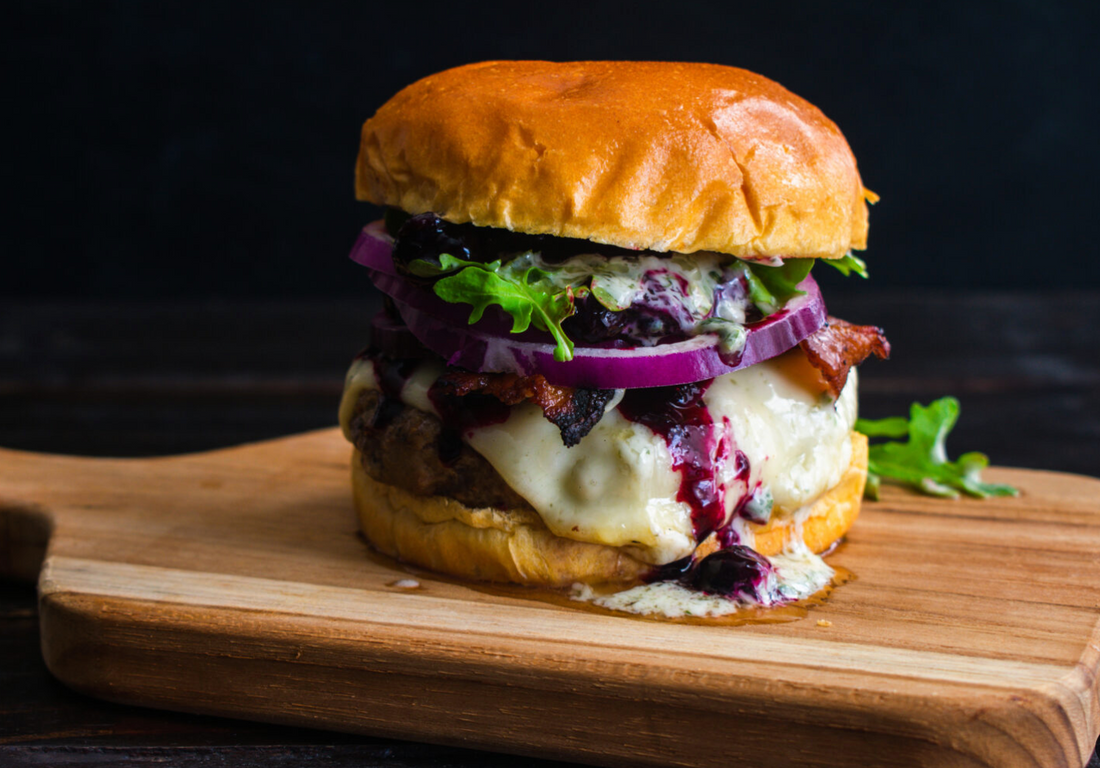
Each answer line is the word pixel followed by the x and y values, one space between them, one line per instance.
pixel 772 287
pixel 521 290
pixel 848 265
pixel 921 462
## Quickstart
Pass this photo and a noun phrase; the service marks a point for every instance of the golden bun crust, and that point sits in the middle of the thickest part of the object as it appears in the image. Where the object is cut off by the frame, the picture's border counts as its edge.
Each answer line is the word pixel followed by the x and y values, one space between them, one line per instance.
pixel 444 535
pixel 652 155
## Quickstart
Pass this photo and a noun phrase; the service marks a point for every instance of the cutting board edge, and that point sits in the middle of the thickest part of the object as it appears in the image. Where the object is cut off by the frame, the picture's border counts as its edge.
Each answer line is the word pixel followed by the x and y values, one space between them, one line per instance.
pixel 25 533
pixel 1033 725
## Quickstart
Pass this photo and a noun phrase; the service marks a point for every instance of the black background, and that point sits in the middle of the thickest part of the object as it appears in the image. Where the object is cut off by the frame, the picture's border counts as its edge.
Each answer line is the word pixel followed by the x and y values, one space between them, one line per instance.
pixel 205 149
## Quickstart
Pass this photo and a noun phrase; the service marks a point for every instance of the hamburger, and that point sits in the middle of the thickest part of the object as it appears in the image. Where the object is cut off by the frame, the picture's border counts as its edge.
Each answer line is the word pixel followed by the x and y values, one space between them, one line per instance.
pixel 603 358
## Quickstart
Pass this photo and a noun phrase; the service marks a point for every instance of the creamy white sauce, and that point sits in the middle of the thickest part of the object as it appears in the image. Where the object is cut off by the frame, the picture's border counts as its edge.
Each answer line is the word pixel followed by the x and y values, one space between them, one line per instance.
pixel 617 487
pixel 683 288
pixel 684 283
pixel 799 574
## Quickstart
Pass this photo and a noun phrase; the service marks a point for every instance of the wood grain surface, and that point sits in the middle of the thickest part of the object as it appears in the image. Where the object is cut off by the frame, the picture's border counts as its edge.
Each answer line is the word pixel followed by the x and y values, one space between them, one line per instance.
pixel 234 583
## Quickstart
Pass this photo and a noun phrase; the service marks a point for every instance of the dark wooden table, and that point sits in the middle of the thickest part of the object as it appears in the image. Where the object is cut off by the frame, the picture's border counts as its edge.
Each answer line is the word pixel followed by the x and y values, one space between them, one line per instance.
pixel 145 379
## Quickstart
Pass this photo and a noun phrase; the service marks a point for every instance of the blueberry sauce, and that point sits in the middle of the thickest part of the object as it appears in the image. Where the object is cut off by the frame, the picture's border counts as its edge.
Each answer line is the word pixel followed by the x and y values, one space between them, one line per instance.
pixel 698 451
pixel 736 571
pixel 727 535
pixel 426 236
pixel 677 570
pixel 637 325
pixel 391 375
pixel 460 415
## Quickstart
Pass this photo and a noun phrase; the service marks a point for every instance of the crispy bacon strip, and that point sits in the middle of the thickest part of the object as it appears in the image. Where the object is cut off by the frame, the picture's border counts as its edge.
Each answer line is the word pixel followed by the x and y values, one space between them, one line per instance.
pixel 836 347
pixel 573 411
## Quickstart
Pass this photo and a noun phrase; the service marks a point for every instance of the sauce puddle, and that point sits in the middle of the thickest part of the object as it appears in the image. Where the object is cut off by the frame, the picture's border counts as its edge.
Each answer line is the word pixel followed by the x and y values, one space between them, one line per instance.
pixel 564 598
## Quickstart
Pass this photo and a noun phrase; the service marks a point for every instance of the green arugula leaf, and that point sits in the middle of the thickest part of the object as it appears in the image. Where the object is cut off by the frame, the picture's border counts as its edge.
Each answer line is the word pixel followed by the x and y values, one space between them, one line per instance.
pixel 873 487
pixel 895 426
pixel 772 287
pixel 848 265
pixel 447 264
pixel 521 290
pixel 921 462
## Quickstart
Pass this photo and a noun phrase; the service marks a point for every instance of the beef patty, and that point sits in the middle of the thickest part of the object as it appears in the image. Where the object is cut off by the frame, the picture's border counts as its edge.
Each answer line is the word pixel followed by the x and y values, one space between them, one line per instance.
pixel 411 449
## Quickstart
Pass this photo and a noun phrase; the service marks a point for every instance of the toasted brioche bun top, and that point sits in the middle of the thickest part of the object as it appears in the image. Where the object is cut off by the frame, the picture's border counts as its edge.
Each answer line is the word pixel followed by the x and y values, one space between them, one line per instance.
pixel 648 155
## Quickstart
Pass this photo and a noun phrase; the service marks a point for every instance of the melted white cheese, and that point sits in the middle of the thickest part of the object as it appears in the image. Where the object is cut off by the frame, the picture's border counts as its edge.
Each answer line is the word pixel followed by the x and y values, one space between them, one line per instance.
pixel 796 441
pixel 617 487
pixel 360 376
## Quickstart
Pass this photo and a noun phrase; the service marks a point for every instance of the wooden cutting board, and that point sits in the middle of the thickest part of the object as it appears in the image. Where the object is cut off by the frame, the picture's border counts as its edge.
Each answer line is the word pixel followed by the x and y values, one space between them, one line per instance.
pixel 234 583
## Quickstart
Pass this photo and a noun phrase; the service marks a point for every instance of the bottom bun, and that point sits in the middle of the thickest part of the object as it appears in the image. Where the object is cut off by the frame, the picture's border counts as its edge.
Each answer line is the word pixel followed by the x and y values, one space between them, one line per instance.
pixel 444 535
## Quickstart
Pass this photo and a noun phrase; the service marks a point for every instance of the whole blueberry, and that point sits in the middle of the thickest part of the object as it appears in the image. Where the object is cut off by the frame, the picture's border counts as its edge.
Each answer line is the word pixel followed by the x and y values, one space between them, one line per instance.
pixel 732 571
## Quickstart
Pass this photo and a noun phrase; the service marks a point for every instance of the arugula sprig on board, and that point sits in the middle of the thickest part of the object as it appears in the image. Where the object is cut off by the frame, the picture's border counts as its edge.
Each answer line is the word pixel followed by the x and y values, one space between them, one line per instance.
pixel 921 462
pixel 520 289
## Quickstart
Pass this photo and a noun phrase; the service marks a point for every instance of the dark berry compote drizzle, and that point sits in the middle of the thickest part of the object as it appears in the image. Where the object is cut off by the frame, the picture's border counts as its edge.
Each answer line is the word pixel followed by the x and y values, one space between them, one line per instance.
pixel 679 415
pixel 698 450
pixel 462 415
pixel 391 375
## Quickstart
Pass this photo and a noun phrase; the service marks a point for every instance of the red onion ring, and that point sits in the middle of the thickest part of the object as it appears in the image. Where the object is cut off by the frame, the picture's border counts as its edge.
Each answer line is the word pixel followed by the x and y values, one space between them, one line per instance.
pixel 374 248
pixel 395 339
pixel 663 365
pixel 494 320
